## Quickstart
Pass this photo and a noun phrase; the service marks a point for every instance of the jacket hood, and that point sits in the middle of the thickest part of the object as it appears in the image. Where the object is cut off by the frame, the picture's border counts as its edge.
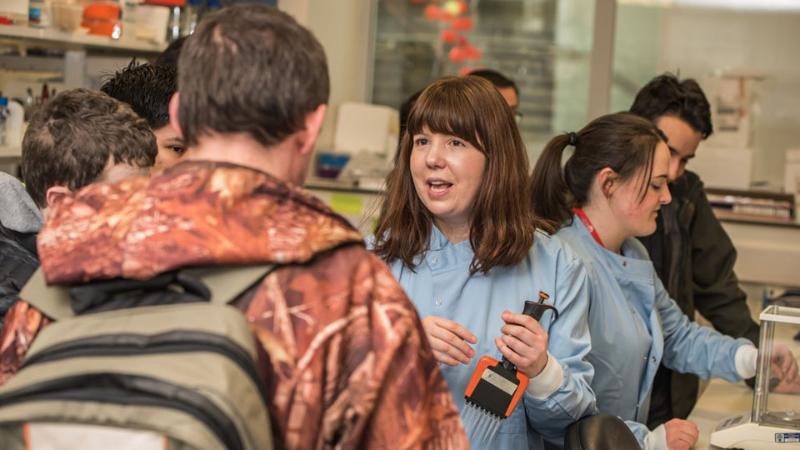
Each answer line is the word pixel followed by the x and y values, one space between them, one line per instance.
pixel 18 212
pixel 195 213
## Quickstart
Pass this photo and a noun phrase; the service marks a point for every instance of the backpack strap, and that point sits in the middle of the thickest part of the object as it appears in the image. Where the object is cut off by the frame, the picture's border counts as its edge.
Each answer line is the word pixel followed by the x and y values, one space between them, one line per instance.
pixel 52 301
pixel 225 284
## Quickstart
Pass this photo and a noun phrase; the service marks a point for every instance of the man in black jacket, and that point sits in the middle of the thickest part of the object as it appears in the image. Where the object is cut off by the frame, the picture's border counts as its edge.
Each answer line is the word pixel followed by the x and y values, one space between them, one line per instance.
pixel 690 250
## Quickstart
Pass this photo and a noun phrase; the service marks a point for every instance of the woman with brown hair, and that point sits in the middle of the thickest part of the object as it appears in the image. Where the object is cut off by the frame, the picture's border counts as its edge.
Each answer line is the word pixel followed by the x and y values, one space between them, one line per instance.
pixel 457 231
pixel 609 191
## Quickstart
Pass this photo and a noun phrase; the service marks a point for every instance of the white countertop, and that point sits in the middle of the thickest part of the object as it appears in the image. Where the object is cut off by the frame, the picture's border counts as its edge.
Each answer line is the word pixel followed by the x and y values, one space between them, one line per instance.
pixel 719 401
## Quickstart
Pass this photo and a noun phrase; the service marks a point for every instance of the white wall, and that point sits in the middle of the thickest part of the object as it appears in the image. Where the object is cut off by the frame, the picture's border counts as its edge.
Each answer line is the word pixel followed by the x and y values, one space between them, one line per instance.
pixel 698 42
pixel 701 41
pixel 343 28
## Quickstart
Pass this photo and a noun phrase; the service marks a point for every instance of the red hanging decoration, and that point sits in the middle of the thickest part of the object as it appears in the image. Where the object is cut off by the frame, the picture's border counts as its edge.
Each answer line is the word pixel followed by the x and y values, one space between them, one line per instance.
pixel 449 36
pixel 457 54
pixel 433 12
pixel 462 24
pixel 453 14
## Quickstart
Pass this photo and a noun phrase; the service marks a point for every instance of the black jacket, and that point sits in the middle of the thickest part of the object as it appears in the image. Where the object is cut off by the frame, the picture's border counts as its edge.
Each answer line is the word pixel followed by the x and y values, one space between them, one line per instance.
pixel 18 261
pixel 694 258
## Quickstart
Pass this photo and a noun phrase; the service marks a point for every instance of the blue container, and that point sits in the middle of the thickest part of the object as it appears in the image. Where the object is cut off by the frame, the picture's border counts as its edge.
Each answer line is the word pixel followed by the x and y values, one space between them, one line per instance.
pixel 329 165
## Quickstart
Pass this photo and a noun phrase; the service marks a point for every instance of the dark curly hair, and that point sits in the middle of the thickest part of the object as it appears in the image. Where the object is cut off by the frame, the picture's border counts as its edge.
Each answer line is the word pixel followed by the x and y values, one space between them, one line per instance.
pixel 147 89
pixel 667 95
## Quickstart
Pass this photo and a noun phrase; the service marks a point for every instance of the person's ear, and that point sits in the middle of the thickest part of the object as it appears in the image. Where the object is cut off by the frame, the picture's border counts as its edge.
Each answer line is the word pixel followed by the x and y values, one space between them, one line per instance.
pixel 174 103
pixel 313 127
pixel 607 181
pixel 55 194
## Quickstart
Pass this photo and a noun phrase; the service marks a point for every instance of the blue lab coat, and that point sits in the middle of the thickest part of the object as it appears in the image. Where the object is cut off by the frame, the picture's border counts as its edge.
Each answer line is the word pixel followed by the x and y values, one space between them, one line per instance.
pixel 442 285
pixel 635 325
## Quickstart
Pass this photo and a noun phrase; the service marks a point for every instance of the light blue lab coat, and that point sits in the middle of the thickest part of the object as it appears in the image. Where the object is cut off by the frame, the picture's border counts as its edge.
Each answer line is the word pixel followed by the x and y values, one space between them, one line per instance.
pixel 441 285
pixel 634 325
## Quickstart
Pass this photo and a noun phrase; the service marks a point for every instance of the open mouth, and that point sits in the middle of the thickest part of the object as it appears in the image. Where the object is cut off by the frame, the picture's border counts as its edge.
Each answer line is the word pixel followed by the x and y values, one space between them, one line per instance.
pixel 439 186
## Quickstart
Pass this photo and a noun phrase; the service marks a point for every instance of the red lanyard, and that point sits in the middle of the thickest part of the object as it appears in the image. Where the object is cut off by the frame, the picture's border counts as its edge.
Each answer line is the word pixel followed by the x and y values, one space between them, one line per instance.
pixel 588 223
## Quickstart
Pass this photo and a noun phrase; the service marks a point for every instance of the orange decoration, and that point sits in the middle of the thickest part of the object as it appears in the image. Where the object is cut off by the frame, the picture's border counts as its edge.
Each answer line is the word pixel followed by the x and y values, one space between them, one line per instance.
pixel 457 54
pixel 472 53
pixel 455 7
pixel 451 8
pixel 433 12
pixel 452 13
pixel 462 24
pixel 449 36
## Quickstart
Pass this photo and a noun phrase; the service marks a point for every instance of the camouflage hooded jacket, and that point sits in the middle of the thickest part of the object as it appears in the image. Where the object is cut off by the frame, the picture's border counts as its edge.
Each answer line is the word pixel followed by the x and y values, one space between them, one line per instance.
pixel 347 364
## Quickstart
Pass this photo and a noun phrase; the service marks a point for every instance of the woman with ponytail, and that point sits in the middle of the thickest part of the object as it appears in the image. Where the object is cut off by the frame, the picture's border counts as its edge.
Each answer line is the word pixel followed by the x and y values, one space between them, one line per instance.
pixel 609 191
pixel 457 231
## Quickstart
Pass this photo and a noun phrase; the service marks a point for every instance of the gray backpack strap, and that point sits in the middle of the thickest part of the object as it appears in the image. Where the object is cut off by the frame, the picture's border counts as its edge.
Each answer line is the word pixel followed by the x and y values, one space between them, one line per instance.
pixel 225 283
pixel 228 282
pixel 53 301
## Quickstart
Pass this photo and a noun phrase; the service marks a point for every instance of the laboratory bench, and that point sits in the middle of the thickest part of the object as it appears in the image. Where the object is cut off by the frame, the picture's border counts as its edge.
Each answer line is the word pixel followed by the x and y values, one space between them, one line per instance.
pixel 720 400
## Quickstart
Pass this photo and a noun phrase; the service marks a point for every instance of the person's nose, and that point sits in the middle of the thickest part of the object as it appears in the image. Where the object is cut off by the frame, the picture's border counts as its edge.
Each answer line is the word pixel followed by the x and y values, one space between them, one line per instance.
pixel 666 196
pixel 435 156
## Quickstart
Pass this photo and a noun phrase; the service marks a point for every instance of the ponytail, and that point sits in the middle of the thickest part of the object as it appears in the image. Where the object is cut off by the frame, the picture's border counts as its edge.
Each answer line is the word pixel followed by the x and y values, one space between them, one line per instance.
pixel 551 201
pixel 622 142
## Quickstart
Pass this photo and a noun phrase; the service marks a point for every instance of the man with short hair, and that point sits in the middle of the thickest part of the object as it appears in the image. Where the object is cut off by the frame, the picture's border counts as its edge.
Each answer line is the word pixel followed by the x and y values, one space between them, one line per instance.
pixel 506 86
pixel 345 359
pixel 692 253
pixel 77 138
pixel 148 89
pixel 80 137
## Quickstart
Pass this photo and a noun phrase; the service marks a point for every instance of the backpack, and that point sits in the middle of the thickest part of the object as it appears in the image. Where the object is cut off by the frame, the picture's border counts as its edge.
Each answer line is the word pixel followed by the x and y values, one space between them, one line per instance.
pixel 159 364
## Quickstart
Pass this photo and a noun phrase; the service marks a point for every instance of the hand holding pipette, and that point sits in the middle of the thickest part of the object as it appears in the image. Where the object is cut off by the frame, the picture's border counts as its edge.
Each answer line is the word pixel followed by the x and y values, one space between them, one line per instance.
pixel 524 343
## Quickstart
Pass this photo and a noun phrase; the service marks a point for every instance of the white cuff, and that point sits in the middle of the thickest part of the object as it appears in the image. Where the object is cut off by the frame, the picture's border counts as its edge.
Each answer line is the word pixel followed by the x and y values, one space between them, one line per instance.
pixel 656 439
pixel 548 381
pixel 746 360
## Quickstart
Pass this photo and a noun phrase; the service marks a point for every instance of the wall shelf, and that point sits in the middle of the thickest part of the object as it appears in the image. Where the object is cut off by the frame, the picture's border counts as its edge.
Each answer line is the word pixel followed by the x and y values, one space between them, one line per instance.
pixel 10 152
pixel 57 38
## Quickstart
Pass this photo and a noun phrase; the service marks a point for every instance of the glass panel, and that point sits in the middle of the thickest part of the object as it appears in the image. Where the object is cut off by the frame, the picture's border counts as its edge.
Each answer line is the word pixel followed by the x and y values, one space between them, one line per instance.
pixel 739 53
pixel 777 397
pixel 543 45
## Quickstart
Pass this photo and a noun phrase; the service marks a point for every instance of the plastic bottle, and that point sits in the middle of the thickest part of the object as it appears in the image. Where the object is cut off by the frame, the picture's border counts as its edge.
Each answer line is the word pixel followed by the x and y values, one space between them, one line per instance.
pixel 39 13
pixel 191 14
pixel 14 124
pixel 30 104
pixel 3 116
pixel 174 28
